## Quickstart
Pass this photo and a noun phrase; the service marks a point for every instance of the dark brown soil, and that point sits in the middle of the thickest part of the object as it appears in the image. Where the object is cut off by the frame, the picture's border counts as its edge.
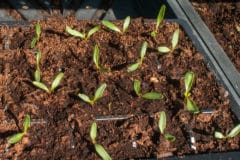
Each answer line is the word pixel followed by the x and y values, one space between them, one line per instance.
pixel 222 18
pixel 64 120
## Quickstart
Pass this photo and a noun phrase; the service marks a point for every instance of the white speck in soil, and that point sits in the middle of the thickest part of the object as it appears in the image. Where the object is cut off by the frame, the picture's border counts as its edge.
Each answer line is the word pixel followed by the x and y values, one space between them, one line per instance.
pixel 134 144
pixel 226 94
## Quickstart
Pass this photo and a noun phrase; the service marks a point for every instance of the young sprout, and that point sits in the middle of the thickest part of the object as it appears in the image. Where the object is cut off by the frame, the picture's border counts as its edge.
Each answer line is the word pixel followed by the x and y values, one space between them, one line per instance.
pixel 18 137
pixel 113 27
pixel 148 95
pixel 37 37
pixel 82 35
pixel 162 125
pixel 175 37
pixel 37 74
pixel 54 85
pixel 135 66
pixel 96 60
pixel 188 81
pixel 234 132
pixel 99 148
pixel 98 94
pixel 160 18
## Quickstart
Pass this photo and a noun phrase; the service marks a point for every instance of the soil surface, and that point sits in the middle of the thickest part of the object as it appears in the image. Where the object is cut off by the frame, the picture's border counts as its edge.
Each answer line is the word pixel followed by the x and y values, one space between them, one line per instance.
pixel 222 18
pixel 61 121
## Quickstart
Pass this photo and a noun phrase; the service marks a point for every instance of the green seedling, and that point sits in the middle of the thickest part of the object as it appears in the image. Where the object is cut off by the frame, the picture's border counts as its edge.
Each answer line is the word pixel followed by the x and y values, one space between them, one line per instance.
pixel 82 34
pixel 175 38
pixel 135 66
pixel 113 27
pixel 234 132
pixel 160 18
pixel 188 81
pixel 37 74
pixel 55 84
pixel 37 37
pixel 99 148
pixel 18 137
pixel 96 55
pixel 98 94
pixel 162 126
pixel 148 95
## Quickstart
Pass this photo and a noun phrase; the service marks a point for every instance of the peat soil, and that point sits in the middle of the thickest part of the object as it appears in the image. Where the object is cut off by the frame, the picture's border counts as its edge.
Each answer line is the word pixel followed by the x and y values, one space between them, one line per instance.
pixel 61 121
pixel 223 20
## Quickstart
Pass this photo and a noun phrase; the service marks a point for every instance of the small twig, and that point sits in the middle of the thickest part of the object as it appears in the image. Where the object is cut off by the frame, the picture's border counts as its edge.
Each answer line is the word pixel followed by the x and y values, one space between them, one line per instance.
pixel 207 111
pixel 191 136
pixel 38 121
pixel 112 118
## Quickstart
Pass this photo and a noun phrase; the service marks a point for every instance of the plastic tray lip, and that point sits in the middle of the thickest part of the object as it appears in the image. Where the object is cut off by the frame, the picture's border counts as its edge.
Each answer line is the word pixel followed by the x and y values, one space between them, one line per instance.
pixel 14 23
pixel 185 26
pixel 233 155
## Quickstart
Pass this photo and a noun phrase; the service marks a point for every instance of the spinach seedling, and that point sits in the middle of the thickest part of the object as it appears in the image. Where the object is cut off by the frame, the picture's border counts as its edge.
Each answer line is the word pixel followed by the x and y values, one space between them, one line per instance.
pixel 162 125
pixel 96 60
pixel 113 27
pixel 135 66
pixel 37 74
pixel 175 37
pixel 18 137
pixel 37 37
pixel 234 132
pixel 82 35
pixel 148 95
pixel 160 18
pixel 188 81
pixel 98 94
pixel 99 148
pixel 54 85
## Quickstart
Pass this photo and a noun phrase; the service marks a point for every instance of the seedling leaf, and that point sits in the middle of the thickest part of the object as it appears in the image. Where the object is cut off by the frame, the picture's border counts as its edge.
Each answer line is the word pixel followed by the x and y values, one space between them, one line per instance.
pixel 33 42
pixel 175 39
pixel 56 81
pixel 93 132
pixel 191 106
pixel 26 124
pixel 75 32
pixel 102 152
pixel 85 98
pixel 235 131
pixel 152 95
pixel 38 30
pixel 162 122
pixel 99 92
pixel 40 85
pixel 15 138
pixel 160 16
pixel 188 80
pixel 126 23
pixel 133 67
pixel 163 49
pixel 169 137
pixel 92 31
pixel 96 56
pixel 136 86
pixel 219 135
pixel 143 50
pixel 38 59
pixel 111 26
pixel 37 75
